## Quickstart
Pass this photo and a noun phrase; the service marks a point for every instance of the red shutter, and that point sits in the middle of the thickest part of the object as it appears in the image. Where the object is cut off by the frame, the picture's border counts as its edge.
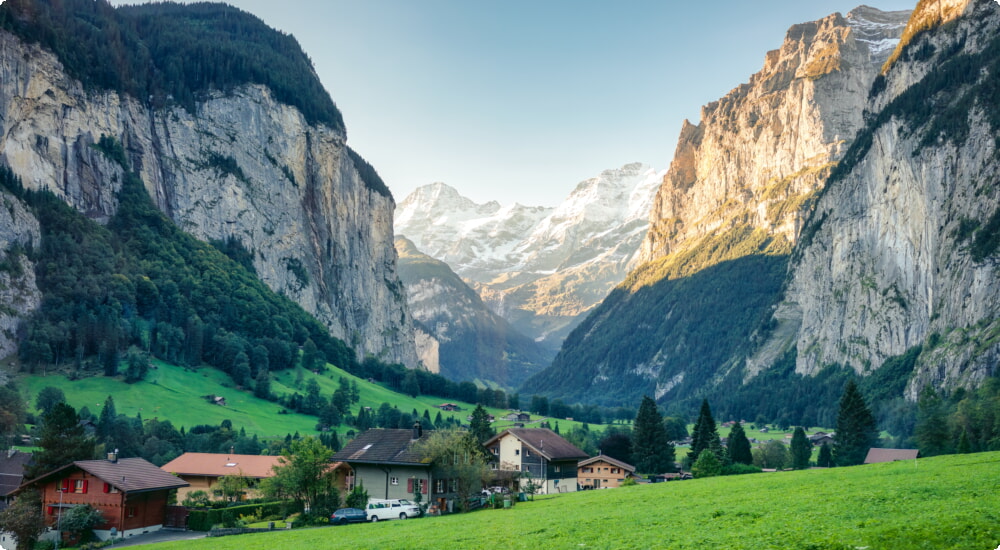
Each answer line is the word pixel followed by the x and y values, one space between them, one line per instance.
pixel 107 487
pixel 409 485
pixel 85 486
pixel 425 483
pixel 52 510
pixel 65 485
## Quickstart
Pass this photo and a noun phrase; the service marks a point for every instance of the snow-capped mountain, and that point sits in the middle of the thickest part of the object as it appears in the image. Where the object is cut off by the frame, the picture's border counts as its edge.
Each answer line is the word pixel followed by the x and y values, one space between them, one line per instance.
pixel 541 268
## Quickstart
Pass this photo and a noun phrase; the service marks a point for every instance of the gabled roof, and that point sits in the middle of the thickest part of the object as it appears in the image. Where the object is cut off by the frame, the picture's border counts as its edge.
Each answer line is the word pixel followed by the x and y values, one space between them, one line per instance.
pixel 128 475
pixel 890 455
pixel 382 446
pixel 12 470
pixel 220 464
pixel 609 460
pixel 543 441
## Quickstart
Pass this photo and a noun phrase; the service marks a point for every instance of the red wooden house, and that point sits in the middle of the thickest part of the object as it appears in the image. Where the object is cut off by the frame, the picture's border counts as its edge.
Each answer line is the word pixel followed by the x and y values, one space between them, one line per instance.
pixel 131 493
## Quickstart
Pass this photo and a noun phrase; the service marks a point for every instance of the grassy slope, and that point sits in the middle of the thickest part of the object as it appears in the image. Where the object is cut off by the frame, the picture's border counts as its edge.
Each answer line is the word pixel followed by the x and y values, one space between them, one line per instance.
pixel 175 393
pixel 941 502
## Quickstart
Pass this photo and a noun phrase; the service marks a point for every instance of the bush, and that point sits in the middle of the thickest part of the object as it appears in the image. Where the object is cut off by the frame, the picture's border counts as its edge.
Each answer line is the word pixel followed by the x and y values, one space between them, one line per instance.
pixel 204 520
pixel 736 469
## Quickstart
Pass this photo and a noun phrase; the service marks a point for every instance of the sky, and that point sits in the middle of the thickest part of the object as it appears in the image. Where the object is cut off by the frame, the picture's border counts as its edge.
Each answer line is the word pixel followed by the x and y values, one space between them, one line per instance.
pixel 520 100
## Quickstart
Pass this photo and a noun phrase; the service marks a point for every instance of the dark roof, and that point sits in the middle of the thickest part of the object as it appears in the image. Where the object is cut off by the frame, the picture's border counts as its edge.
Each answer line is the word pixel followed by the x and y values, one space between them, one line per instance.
pixel 543 441
pixel 12 465
pixel 890 455
pixel 609 460
pixel 382 446
pixel 129 475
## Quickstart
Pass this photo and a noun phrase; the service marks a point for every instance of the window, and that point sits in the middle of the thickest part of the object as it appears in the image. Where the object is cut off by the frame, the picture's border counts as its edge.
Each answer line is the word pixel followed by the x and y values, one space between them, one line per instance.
pixel 453 485
pixel 394 480
pixel 496 450
pixel 79 486
pixel 517 451
pixel 130 511
pixel 558 468
pixel 438 485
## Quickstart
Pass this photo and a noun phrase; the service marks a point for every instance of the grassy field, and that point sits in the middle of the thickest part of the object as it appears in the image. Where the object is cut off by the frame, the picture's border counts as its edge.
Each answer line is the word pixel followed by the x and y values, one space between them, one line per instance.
pixel 934 503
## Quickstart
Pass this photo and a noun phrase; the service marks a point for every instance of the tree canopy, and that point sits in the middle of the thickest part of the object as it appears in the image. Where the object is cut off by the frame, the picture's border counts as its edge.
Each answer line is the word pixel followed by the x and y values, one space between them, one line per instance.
pixel 652 453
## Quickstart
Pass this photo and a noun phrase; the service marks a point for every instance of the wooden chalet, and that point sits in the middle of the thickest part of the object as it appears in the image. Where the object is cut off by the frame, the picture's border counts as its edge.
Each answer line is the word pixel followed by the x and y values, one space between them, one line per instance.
pixel 536 454
pixel 602 472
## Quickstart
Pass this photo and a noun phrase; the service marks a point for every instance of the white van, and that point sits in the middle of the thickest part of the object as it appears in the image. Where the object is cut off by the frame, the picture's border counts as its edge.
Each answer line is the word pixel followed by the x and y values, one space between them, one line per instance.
pixel 393 508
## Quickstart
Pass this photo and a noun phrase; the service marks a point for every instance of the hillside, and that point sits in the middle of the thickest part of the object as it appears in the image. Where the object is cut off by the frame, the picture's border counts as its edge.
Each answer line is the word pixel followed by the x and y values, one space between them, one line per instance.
pixel 935 503
pixel 474 342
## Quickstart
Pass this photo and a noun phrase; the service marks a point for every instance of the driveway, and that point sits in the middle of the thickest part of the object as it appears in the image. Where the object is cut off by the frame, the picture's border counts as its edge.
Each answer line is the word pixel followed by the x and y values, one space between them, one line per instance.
pixel 163 535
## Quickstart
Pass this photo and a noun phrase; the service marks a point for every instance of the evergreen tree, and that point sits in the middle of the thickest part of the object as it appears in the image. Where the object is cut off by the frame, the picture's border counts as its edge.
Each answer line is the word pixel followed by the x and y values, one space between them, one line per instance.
pixel 825 458
pixel 652 453
pixel 480 426
pixel 47 398
pixel 856 430
pixel 739 446
pixel 706 434
pixel 63 440
pixel 964 446
pixel 932 434
pixel 801 449
pixel 411 386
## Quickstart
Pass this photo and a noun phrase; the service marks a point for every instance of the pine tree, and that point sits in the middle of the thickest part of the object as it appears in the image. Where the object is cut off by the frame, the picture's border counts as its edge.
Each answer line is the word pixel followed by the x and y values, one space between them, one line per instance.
pixel 932 433
pixel 825 458
pixel 739 446
pixel 856 429
pixel 801 449
pixel 480 426
pixel 652 453
pixel 706 434
pixel 63 440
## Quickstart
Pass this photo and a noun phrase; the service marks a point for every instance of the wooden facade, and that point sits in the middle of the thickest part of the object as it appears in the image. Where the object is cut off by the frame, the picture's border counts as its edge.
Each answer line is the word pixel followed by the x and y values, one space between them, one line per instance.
pixel 602 472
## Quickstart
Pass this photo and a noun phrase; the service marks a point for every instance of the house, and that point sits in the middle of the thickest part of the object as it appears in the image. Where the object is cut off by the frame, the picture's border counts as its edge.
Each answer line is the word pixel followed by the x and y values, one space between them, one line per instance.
pixel 12 463
pixel 536 455
pixel 385 462
pixel 602 472
pixel 819 438
pixel 518 417
pixel 890 455
pixel 131 493
pixel 449 407
pixel 202 471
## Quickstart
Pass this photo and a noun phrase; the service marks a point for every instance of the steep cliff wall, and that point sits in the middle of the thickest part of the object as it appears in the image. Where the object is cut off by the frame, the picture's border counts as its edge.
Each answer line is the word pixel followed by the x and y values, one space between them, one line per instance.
pixel 243 165
pixel 902 248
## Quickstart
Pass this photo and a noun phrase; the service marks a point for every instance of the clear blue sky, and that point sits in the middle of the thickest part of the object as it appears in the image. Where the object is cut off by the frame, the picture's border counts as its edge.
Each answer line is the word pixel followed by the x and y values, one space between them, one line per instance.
pixel 519 100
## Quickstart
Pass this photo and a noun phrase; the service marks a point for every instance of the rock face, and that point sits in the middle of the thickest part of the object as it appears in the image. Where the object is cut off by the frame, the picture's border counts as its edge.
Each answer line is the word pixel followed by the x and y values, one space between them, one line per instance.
pixel 242 166
pixel 540 268
pixel 902 249
pixel 473 343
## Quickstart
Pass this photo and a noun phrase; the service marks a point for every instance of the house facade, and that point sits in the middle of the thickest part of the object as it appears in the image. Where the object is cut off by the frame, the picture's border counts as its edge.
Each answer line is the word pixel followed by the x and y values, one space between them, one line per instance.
pixel 130 493
pixel 538 456
pixel 602 472
pixel 203 471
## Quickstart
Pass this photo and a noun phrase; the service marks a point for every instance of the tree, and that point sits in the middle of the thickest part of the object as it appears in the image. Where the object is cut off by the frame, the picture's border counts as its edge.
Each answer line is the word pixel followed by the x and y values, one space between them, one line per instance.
pixel 137 365
pixel 706 434
pixel 480 425
pixel 48 398
pixel 772 454
pixel 12 413
pixel 616 444
pixel 825 458
pixel 676 428
pixel 24 519
pixel 232 487
pixel 358 497
pixel 739 446
pixel 707 465
pixel 80 520
pixel 411 386
pixel 856 431
pixel 801 449
pixel 932 434
pixel 457 455
pixel 651 452
pixel 303 474
pixel 63 440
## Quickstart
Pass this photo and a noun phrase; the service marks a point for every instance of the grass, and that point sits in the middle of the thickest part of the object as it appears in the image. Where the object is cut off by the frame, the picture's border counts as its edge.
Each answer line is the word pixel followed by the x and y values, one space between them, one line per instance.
pixel 934 503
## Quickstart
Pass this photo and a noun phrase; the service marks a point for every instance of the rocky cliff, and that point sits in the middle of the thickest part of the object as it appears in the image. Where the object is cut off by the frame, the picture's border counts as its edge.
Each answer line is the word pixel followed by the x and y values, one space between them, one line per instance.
pixel 902 248
pixel 241 165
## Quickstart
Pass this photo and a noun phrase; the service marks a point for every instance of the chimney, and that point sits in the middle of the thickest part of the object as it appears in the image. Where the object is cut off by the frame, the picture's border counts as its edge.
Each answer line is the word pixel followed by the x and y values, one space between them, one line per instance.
pixel 113 457
pixel 418 430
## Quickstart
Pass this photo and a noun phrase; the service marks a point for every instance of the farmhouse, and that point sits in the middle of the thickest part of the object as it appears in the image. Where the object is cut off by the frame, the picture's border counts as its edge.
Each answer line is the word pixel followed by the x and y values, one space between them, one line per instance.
pixel 203 471
pixel 130 493
pixel 537 455
pixel 602 472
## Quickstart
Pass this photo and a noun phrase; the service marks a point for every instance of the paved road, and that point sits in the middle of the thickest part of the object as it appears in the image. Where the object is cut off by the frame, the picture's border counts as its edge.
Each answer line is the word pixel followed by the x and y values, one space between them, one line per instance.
pixel 163 535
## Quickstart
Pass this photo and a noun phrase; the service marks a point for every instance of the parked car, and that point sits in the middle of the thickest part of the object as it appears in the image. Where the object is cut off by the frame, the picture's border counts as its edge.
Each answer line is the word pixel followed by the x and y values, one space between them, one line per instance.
pixel 348 515
pixel 381 509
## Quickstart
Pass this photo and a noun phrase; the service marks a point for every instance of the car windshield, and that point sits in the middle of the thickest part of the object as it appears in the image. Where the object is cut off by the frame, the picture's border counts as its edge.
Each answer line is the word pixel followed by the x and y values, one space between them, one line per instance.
pixel 405 502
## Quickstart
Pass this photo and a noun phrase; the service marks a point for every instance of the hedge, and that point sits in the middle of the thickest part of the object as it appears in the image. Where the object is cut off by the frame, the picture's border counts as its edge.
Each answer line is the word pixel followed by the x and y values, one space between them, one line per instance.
pixel 203 520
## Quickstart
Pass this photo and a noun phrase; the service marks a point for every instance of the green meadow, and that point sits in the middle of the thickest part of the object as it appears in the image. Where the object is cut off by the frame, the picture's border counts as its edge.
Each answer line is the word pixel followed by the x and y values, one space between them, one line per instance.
pixel 941 502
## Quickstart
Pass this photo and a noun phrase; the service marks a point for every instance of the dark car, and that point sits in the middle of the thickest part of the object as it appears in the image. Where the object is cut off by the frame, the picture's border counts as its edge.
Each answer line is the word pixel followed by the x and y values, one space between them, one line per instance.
pixel 348 515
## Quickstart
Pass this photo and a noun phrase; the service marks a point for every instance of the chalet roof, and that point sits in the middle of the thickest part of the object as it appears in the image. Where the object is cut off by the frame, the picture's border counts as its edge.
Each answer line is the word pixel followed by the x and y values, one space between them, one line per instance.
pixel 222 464
pixel 609 460
pixel 12 470
pixel 890 455
pixel 382 446
pixel 128 475
pixel 544 441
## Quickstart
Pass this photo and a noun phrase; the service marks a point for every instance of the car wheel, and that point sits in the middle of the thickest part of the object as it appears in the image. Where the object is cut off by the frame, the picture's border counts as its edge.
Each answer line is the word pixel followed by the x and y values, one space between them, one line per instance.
pixel 343 521
pixel 402 516
pixel 374 518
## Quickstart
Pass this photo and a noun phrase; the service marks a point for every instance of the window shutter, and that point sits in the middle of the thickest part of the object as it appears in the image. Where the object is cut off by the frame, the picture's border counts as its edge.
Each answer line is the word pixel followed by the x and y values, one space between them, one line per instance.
pixel 107 487
pixel 52 510
pixel 65 485
pixel 423 487
pixel 85 486
pixel 409 485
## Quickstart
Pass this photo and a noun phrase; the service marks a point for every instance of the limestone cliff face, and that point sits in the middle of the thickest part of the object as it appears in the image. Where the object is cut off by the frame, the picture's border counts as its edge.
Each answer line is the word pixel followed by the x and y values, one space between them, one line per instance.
pixel 242 166
pixel 895 256
pixel 760 153
pixel 19 295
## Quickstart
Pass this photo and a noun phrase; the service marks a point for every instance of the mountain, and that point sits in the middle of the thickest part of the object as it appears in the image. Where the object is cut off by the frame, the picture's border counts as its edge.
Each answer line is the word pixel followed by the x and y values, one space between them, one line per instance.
pixel 725 221
pixel 232 136
pixel 474 343
pixel 540 268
